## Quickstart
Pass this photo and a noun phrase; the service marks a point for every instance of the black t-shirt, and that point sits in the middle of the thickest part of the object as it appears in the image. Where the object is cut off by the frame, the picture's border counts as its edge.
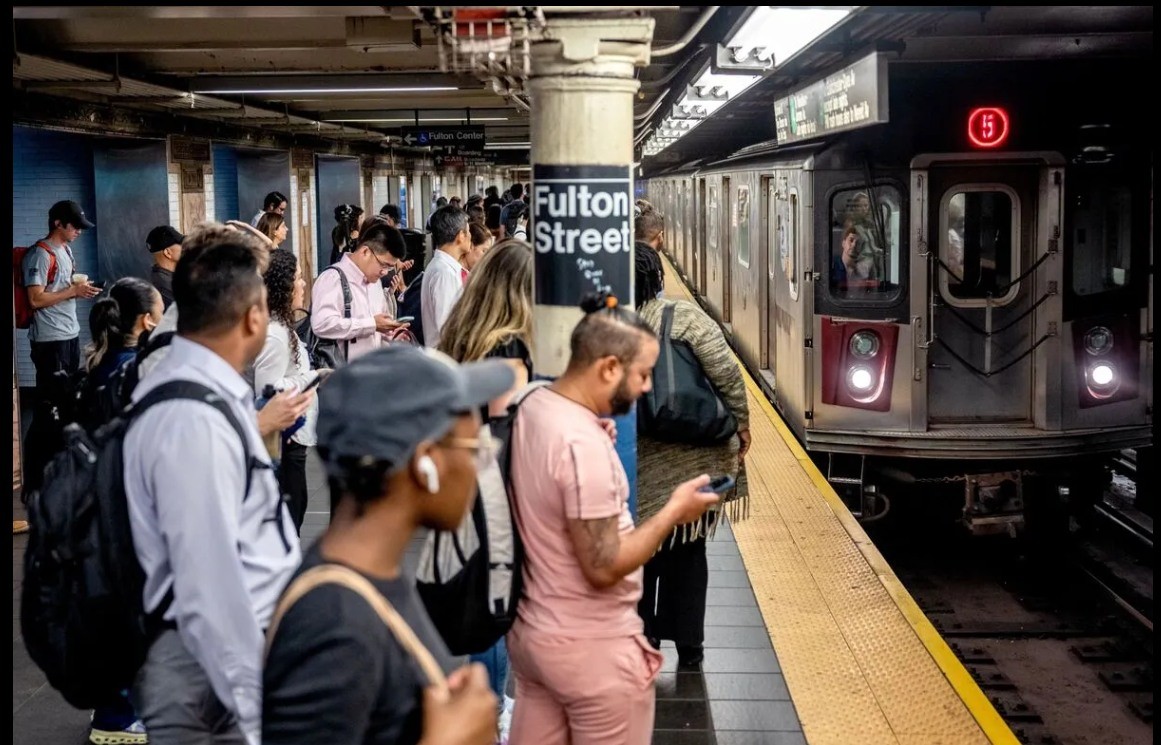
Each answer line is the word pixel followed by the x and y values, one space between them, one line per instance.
pixel 511 348
pixel 336 673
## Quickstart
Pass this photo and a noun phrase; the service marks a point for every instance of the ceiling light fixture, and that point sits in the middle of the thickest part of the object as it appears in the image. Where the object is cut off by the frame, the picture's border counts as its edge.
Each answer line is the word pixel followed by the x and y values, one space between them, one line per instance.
pixel 425 119
pixel 324 91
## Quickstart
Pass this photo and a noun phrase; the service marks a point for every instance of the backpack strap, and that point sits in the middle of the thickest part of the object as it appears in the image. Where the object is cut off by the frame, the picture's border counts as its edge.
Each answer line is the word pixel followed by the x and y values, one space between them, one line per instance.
pixel 156 342
pixel 346 285
pixel 52 265
pixel 192 391
pixel 336 574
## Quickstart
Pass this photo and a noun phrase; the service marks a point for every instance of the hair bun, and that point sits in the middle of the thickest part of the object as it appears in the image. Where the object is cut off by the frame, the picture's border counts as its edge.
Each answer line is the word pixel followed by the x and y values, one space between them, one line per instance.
pixel 594 301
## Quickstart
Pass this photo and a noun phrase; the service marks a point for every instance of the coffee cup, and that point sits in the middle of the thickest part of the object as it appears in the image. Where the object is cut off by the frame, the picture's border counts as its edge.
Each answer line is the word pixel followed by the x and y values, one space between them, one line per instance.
pixel 80 279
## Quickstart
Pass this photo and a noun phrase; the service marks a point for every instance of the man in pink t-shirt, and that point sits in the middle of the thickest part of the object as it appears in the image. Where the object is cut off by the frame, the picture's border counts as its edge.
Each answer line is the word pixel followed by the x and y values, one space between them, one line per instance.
pixel 584 671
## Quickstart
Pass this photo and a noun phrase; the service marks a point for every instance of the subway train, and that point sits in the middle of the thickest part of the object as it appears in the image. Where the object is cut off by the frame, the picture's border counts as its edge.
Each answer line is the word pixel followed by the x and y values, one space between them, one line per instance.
pixel 954 304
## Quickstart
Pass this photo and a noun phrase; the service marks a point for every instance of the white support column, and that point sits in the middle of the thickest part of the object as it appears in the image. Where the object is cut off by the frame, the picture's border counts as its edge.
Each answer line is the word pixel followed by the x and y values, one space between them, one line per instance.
pixel 582 89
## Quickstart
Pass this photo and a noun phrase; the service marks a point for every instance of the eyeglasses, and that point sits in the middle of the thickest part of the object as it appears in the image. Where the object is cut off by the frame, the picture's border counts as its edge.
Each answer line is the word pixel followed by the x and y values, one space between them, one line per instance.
pixel 484 447
pixel 384 266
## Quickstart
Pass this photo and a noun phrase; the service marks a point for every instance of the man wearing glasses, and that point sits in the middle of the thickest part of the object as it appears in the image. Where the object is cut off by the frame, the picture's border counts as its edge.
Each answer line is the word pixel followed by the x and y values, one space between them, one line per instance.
pixel 444 278
pixel 348 305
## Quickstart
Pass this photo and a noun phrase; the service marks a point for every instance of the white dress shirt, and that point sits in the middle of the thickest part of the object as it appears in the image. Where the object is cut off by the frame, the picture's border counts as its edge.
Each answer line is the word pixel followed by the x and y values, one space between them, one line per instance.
pixel 275 366
pixel 443 283
pixel 226 555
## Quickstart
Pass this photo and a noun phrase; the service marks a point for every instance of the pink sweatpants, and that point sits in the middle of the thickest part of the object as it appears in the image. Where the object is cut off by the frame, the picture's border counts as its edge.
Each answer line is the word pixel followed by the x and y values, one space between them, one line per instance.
pixel 582 691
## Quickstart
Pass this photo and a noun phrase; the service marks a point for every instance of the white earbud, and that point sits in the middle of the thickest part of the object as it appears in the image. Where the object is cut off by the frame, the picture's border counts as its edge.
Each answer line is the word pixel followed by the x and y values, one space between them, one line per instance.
pixel 430 473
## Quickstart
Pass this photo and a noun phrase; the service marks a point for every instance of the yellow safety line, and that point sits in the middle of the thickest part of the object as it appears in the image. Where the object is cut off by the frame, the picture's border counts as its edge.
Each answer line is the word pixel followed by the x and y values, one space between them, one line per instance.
pixel 977 703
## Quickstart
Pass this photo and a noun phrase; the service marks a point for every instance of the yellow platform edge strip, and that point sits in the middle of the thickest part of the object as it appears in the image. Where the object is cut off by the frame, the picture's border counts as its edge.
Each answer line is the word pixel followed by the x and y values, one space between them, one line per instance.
pixel 989 720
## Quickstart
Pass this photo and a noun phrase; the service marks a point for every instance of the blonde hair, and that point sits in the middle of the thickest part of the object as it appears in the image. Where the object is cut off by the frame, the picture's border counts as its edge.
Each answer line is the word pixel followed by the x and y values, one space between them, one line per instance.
pixel 495 307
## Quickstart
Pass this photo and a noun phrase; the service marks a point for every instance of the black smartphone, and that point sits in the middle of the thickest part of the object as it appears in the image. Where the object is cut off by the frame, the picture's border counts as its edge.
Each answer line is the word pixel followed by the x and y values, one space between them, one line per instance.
pixel 312 384
pixel 719 484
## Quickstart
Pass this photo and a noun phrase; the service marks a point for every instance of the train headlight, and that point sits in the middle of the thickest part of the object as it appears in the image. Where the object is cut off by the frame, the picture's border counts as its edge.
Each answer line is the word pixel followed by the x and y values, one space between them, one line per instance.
pixel 1098 340
pixel 1102 376
pixel 860 379
pixel 865 344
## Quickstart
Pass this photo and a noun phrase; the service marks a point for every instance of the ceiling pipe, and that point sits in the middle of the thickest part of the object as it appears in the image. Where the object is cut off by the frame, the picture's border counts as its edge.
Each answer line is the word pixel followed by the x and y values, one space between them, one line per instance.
pixel 683 42
pixel 652 109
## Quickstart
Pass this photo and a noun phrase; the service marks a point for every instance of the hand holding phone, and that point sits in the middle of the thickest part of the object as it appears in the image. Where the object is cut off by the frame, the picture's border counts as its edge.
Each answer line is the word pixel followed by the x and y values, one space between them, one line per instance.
pixel 719 484
pixel 405 319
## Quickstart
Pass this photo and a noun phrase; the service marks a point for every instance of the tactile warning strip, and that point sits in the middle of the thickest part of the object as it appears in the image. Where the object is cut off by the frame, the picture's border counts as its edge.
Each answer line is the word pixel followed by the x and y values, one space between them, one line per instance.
pixel 862 662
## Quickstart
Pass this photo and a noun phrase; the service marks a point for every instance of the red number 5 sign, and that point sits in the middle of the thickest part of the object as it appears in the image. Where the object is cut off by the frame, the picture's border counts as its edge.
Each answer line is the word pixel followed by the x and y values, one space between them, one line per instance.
pixel 988 126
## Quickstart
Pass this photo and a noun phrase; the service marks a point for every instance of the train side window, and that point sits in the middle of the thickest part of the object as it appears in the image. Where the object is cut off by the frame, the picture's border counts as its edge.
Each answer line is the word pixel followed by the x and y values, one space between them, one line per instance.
pixel 742 215
pixel 788 263
pixel 712 232
pixel 865 244
pixel 978 245
pixel 1101 238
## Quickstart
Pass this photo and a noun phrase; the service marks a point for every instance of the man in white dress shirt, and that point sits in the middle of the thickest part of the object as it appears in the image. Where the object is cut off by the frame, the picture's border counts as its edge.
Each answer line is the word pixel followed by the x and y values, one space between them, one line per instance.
pixel 443 280
pixel 209 526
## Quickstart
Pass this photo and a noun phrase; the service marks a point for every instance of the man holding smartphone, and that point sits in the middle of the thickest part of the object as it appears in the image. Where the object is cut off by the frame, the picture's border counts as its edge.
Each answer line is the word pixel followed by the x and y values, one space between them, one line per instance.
pixel 584 670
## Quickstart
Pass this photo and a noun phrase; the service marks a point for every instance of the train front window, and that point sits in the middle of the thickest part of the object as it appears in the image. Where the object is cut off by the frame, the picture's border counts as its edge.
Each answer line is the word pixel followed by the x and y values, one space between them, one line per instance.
pixel 978 245
pixel 865 243
pixel 1101 238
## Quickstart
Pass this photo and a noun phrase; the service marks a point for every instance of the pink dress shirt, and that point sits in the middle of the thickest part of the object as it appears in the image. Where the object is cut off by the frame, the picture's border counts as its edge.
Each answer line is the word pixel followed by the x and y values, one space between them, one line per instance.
pixel 367 301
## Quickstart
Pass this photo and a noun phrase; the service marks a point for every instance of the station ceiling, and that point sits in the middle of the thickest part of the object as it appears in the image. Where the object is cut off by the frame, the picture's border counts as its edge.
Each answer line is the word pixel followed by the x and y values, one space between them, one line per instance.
pixel 357 74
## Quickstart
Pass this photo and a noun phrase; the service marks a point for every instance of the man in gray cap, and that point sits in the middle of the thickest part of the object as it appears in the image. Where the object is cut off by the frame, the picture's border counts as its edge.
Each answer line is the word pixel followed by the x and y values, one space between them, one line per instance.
pixel 165 246
pixel 396 461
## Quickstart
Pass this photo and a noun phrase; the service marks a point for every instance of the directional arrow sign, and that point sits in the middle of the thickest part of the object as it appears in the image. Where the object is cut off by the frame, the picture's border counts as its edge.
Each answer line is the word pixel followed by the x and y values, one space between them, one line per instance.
pixel 467 138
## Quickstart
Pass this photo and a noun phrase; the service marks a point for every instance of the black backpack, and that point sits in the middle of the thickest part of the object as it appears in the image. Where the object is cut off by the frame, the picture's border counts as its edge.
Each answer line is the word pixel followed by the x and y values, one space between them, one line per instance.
pixel 97 404
pixel 82 614
pixel 470 579
pixel 327 353
pixel 412 305
pixel 683 405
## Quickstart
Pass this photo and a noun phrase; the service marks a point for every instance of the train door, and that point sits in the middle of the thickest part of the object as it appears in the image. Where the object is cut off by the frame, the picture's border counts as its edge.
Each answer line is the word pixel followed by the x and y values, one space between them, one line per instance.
pixel 699 249
pixel 727 248
pixel 982 290
pixel 715 271
pixel 746 271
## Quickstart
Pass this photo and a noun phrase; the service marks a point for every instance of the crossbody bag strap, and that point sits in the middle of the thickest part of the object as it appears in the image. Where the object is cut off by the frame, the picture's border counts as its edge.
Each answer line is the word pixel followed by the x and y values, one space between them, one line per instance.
pixel 346 285
pixel 336 574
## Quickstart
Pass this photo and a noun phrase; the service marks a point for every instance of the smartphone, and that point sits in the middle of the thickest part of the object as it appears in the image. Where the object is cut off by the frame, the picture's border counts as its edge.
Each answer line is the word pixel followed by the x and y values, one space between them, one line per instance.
pixel 312 384
pixel 405 319
pixel 719 484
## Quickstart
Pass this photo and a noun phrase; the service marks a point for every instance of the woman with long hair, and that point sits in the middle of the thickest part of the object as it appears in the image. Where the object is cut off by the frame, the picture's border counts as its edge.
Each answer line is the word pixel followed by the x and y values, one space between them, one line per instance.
pixel 493 318
pixel 119 323
pixel 273 226
pixel 677 577
pixel 284 364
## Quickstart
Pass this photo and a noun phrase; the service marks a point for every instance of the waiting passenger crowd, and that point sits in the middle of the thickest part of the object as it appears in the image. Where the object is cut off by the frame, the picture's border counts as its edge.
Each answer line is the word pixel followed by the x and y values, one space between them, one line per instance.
pixel 394 383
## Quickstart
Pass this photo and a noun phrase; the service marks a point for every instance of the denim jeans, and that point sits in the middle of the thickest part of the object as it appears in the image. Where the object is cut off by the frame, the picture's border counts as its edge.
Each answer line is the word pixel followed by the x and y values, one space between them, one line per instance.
pixel 496 662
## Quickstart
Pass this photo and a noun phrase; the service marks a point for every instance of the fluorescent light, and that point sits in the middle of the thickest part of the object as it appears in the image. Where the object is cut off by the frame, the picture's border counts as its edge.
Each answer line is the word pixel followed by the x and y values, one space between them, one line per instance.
pixel 507 145
pixel 778 33
pixel 321 91
pixel 424 119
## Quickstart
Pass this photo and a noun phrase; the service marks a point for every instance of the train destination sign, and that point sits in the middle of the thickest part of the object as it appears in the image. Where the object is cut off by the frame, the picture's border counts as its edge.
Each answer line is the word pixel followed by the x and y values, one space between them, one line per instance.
pixel 854 97
pixel 461 139
pixel 582 228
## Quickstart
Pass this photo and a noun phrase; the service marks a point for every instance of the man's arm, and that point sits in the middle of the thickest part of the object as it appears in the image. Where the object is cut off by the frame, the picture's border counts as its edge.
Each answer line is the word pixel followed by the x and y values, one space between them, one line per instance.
pixel 40 298
pixel 445 291
pixel 593 508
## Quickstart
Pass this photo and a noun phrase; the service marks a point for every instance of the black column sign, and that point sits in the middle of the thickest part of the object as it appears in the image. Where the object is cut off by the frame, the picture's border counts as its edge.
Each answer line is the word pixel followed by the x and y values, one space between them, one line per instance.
pixel 582 228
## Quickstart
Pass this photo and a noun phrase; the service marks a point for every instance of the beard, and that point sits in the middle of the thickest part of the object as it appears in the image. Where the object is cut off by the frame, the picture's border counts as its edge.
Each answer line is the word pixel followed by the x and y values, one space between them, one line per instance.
pixel 622 401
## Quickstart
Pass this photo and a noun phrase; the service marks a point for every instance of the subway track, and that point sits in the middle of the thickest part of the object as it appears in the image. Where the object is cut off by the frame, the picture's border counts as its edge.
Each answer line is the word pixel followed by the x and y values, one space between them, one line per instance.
pixel 1056 630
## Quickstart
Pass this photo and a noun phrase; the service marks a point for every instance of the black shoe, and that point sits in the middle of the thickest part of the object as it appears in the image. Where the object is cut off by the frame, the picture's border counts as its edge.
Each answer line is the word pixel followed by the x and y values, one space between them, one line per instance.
pixel 690 656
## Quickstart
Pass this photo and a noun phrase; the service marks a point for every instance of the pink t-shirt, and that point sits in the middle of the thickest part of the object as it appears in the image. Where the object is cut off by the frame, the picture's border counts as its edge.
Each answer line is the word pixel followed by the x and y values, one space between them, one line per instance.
pixel 564 468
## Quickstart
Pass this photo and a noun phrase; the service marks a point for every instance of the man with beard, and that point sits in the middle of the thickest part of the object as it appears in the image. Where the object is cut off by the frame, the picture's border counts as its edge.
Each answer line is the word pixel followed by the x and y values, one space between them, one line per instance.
pixel 584 671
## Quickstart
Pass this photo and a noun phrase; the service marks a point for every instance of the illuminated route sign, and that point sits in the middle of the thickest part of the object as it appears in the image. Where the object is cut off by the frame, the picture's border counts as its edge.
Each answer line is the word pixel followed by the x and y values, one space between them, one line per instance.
pixel 853 97
pixel 988 127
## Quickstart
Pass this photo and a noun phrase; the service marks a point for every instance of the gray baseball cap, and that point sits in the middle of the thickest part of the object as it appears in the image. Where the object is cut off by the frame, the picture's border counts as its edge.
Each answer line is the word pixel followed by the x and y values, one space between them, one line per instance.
pixel 382 405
